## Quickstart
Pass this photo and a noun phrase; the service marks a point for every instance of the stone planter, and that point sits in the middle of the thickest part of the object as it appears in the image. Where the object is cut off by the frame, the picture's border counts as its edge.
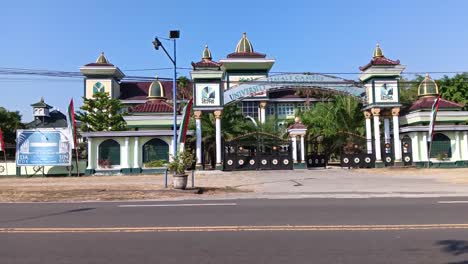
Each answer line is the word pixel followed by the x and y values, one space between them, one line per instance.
pixel 180 181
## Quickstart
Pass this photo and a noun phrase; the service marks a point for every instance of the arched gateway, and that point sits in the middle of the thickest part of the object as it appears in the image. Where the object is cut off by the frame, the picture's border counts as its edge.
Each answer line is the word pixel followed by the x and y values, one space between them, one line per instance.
pixel 321 82
pixel 243 77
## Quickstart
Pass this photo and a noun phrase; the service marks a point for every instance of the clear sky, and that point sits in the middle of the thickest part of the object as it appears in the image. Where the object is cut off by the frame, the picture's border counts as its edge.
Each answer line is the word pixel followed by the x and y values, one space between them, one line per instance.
pixel 310 36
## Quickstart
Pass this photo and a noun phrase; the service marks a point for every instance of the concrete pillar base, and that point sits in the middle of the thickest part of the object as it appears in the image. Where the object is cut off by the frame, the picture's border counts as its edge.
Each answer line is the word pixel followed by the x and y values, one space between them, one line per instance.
pixel 199 167
pixel 219 167
pixel 379 164
pixel 299 166
pixel 136 170
pixel 126 170
pixel 89 171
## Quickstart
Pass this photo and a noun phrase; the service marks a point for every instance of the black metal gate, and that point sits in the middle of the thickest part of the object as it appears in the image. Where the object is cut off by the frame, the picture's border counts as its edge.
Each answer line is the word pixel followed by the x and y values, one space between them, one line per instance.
pixel 406 151
pixel 257 151
pixel 354 154
pixel 316 154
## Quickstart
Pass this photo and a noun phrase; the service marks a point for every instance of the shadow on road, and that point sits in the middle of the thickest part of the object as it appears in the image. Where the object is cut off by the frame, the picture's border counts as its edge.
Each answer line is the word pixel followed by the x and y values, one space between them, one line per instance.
pixel 47 215
pixel 454 247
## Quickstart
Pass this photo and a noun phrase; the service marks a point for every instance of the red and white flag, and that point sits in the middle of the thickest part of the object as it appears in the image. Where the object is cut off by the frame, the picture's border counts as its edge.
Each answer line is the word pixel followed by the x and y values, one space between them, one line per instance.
pixel 435 108
pixel 2 142
pixel 72 124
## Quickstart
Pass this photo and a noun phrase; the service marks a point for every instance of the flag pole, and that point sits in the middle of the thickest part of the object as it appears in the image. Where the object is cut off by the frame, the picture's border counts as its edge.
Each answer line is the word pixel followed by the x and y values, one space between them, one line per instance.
pixel 76 159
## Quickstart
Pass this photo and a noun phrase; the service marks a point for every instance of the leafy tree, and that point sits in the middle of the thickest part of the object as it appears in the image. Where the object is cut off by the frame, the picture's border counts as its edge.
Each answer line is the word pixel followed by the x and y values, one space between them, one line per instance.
pixel 10 121
pixel 101 113
pixel 184 91
pixel 409 90
pixel 337 121
pixel 455 89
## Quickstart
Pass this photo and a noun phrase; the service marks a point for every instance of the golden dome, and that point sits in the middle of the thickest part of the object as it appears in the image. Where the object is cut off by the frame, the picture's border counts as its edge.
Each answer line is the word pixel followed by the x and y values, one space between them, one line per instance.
pixel 244 45
pixel 206 55
pixel 156 90
pixel 378 52
pixel 428 87
pixel 102 59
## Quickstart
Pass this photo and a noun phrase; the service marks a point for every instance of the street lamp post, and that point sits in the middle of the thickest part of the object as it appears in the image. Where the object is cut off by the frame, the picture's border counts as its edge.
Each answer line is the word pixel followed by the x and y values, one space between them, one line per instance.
pixel 173 34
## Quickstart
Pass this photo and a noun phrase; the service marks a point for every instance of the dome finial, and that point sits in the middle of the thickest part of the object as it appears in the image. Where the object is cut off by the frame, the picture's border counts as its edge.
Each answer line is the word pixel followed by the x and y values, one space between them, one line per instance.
pixel 206 55
pixel 42 99
pixel 102 59
pixel 244 45
pixel 378 53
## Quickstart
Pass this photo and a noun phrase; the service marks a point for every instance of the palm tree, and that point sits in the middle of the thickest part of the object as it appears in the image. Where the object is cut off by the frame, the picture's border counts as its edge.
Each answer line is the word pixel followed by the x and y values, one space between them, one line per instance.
pixel 338 122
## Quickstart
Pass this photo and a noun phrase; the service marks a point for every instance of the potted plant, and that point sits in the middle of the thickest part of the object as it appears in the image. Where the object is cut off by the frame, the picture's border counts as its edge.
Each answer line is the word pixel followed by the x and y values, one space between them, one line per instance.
pixel 177 166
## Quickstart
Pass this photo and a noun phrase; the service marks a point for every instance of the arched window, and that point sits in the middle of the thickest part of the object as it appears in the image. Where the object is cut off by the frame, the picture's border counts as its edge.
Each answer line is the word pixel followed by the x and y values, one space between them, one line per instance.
pixel 155 149
pixel 109 153
pixel 441 148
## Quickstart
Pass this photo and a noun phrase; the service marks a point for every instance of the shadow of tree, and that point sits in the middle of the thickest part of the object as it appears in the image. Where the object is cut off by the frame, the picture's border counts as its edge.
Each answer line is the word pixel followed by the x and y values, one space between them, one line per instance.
pixel 454 247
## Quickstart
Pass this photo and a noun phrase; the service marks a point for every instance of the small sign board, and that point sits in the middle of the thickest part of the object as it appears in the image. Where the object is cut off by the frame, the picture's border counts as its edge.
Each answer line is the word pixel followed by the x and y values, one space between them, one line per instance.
pixel 43 147
pixel 208 95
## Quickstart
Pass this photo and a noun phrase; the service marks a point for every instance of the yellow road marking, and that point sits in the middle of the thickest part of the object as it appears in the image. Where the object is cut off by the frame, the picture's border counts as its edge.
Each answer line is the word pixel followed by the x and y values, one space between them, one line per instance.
pixel 232 228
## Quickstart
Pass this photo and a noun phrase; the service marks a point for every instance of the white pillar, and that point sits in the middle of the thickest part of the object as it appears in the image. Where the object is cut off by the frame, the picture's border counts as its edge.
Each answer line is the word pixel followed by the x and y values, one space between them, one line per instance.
pixel 294 149
pixel 182 147
pixel 378 154
pixel 198 129
pixel 396 134
pixel 415 147
pixel 262 112
pixel 124 154
pixel 367 115
pixel 387 130
pixel 464 146
pixel 302 149
pixel 90 156
pixel 457 146
pixel 96 156
pixel 424 150
pixel 218 136
pixel 136 152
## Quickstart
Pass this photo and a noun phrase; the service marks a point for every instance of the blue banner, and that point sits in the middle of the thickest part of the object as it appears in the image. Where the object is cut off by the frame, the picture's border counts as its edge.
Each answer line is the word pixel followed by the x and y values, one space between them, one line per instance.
pixel 43 147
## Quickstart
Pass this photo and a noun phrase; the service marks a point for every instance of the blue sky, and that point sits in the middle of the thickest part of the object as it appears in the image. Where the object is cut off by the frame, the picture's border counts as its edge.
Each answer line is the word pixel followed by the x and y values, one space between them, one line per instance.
pixel 310 36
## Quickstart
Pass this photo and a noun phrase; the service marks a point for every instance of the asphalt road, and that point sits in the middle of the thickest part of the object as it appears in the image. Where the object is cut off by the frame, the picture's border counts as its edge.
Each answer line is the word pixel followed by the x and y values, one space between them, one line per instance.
pixel 392 230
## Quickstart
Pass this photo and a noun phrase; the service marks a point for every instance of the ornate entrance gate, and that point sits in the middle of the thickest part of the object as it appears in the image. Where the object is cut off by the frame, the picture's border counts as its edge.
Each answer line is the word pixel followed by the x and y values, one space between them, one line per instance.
pixel 354 154
pixel 317 155
pixel 257 151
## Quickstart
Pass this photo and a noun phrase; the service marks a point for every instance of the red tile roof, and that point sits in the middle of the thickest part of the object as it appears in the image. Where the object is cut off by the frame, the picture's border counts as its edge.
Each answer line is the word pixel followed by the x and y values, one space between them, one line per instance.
pixel 379 61
pixel 152 106
pixel 139 90
pixel 297 125
pixel 100 64
pixel 427 102
pixel 246 55
pixel 208 64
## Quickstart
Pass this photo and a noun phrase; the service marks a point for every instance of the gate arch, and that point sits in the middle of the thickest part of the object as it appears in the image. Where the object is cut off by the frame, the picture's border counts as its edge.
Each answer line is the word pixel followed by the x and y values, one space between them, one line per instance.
pixel 297 80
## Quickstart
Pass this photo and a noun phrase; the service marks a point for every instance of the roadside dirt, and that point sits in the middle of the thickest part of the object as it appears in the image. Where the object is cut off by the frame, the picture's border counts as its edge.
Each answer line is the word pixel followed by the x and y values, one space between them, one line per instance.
pixel 97 188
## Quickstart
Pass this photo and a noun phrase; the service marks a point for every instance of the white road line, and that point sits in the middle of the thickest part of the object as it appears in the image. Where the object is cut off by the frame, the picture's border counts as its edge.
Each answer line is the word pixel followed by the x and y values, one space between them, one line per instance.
pixel 452 202
pixel 177 205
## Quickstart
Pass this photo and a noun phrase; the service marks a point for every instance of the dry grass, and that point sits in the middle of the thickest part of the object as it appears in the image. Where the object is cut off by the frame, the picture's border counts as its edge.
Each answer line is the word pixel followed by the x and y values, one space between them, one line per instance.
pixel 95 188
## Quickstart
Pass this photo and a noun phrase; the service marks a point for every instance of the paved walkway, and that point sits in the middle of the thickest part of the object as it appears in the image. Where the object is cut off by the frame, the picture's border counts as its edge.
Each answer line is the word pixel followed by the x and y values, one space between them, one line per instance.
pixel 342 183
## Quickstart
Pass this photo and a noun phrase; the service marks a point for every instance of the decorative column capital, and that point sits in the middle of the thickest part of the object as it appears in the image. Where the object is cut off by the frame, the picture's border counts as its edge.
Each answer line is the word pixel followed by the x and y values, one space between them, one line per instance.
pixel 375 111
pixel 197 114
pixel 367 114
pixel 218 114
pixel 395 111
pixel 263 104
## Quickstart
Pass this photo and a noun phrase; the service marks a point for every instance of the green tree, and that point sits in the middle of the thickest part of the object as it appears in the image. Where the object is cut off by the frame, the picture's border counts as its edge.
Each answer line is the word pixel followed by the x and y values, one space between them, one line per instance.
pixel 101 113
pixel 184 91
pixel 409 90
pixel 455 88
pixel 337 121
pixel 10 121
